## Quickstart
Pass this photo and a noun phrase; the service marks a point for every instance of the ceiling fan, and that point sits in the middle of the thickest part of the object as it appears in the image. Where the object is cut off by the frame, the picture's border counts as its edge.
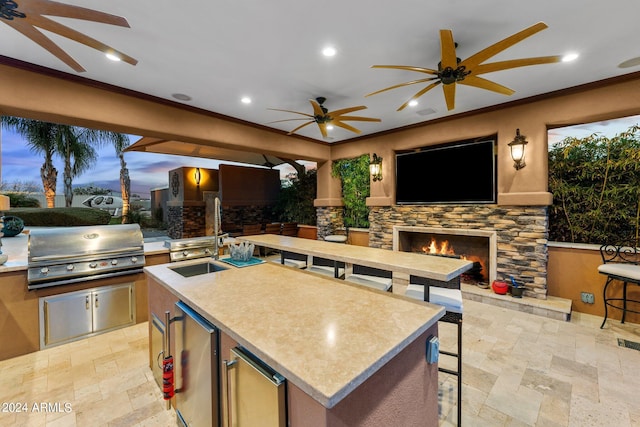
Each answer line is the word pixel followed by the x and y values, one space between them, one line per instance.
pixel 26 16
pixel 451 70
pixel 324 117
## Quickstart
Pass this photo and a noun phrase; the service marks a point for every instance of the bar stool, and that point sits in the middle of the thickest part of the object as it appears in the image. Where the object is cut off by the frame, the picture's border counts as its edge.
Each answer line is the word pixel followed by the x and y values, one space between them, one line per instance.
pixel 620 262
pixel 448 295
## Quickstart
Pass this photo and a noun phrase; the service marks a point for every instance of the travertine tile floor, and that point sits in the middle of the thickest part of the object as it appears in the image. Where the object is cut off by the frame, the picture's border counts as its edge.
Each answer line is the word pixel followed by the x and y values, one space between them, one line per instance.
pixel 519 370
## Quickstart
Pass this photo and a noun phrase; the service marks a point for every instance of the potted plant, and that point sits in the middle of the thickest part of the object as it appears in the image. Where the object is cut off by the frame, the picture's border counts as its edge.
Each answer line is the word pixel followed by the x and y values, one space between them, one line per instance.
pixel 517 288
pixel 12 226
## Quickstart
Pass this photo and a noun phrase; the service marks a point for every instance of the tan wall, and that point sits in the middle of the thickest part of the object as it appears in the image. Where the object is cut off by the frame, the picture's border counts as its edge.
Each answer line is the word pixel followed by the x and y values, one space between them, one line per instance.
pixel 572 271
pixel 73 101
pixel 527 186
pixel 68 99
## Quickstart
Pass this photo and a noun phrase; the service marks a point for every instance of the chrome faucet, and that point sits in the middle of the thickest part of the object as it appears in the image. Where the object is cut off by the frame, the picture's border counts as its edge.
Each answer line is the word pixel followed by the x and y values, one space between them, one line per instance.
pixel 217 223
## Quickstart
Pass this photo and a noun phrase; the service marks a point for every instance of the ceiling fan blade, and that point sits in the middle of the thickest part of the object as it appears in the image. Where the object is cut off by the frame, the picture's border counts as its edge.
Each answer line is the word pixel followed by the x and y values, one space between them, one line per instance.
pixel 52 8
pixel 346 126
pixel 346 110
pixel 285 120
pixel 300 127
pixel 482 83
pixel 36 36
pixel 357 119
pixel 450 96
pixel 408 68
pixel 64 31
pixel 323 129
pixel 402 85
pixel 448 50
pixel 478 58
pixel 291 111
pixel 418 95
pixel 317 108
pixel 505 65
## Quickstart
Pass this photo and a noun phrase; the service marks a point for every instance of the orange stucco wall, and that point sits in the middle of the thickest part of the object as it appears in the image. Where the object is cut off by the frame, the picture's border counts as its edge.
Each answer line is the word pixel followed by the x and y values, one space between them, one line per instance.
pixel 571 271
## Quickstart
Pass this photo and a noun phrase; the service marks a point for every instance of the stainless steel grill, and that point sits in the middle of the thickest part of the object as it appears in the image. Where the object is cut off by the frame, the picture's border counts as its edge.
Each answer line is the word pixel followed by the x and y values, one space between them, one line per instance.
pixel 191 248
pixel 62 255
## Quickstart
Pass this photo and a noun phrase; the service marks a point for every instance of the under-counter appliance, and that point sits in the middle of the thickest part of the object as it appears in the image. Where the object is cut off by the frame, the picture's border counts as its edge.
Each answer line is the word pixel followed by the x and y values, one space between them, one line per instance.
pixel 253 393
pixel 63 255
pixel 196 369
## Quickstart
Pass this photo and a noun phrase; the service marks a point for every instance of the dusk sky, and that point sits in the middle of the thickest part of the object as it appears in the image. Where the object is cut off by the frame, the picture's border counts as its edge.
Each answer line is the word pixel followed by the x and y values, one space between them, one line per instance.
pixel 149 170
pixel 146 170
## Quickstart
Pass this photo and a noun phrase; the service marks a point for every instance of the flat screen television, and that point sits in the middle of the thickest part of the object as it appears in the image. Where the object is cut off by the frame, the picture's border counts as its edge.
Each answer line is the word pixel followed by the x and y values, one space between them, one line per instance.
pixel 462 172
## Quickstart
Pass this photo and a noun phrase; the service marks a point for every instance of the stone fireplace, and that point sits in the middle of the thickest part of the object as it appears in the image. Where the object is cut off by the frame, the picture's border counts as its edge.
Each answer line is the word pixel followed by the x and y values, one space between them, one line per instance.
pixel 477 246
pixel 520 241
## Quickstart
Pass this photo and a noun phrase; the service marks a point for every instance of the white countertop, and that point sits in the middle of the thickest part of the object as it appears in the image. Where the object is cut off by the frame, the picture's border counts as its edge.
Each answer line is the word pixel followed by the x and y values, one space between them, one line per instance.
pixel 324 335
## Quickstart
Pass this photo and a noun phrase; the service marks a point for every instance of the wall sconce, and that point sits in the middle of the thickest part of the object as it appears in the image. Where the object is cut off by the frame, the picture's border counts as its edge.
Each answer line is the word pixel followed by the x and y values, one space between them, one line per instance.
pixel 517 150
pixel 197 176
pixel 375 167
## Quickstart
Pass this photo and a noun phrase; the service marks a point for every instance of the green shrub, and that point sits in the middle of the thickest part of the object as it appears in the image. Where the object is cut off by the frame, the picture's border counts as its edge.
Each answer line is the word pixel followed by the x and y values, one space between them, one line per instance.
pixel 354 175
pixel 22 200
pixel 595 183
pixel 61 217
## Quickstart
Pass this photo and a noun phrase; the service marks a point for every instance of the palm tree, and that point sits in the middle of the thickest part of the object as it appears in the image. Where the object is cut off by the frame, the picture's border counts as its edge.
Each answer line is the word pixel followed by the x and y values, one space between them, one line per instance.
pixel 76 146
pixel 120 142
pixel 40 139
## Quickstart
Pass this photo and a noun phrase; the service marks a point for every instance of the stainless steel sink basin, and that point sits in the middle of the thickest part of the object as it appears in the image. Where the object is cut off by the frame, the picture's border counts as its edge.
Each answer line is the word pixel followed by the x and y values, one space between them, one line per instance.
pixel 198 269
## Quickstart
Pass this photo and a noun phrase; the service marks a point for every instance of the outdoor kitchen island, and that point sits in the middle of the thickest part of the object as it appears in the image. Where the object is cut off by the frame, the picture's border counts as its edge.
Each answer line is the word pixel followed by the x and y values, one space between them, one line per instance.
pixel 351 356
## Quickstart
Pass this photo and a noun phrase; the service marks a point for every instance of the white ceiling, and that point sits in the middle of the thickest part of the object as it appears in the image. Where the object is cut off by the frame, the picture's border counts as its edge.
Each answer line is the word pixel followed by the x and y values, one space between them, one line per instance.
pixel 219 51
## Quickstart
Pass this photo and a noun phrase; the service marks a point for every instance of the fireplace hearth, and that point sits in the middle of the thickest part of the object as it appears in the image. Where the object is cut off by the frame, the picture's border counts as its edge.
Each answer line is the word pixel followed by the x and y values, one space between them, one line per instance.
pixel 478 246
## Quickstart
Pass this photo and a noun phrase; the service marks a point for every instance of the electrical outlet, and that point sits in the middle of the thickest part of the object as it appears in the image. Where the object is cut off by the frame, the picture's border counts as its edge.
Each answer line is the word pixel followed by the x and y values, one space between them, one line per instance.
pixel 433 348
pixel 587 297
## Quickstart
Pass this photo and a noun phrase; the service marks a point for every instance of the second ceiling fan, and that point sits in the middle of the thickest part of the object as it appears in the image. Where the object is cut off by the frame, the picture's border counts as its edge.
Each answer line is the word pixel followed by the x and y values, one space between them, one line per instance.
pixel 451 70
pixel 323 117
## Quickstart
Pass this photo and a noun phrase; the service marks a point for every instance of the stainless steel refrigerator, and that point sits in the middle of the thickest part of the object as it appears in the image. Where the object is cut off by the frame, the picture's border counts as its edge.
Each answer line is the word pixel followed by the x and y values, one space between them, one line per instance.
pixel 196 369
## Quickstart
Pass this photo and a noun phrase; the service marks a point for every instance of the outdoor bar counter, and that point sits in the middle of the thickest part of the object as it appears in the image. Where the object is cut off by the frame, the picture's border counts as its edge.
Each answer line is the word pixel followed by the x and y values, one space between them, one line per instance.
pixel 442 269
pixel 350 355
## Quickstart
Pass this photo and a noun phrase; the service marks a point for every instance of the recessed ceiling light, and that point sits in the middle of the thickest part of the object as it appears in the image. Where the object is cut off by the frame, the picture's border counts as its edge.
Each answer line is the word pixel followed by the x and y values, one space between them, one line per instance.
pixel 181 97
pixel 245 100
pixel 413 103
pixel 112 56
pixel 633 62
pixel 329 51
pixel 570 57
pixel 329 127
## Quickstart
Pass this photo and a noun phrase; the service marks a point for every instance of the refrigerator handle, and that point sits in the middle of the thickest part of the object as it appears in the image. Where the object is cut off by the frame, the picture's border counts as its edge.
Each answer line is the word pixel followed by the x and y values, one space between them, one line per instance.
pixel 226 409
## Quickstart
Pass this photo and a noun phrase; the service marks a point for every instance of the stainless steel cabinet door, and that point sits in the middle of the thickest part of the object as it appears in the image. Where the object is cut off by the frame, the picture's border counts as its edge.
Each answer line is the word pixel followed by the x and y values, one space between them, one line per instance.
pixel 66 317
pixel 254 393
pixel 112 307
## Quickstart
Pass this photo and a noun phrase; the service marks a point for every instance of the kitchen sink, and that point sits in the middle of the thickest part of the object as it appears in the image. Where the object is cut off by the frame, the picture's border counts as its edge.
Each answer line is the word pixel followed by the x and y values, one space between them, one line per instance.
pixel 198 269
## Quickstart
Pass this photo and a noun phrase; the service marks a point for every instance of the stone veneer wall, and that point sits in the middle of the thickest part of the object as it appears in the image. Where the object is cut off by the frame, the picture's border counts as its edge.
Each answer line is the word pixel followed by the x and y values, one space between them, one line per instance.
pixel 522 234
pixel 242 215
pixel 185 221
pixel 330 220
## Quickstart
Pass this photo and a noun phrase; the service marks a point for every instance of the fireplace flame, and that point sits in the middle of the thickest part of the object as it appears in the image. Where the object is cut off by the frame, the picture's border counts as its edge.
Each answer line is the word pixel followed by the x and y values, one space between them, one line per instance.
pixel 438 249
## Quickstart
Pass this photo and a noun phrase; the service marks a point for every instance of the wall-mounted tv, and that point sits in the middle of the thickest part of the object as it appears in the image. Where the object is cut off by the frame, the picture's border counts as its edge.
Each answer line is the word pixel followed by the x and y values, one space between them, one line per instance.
pixel 461 172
